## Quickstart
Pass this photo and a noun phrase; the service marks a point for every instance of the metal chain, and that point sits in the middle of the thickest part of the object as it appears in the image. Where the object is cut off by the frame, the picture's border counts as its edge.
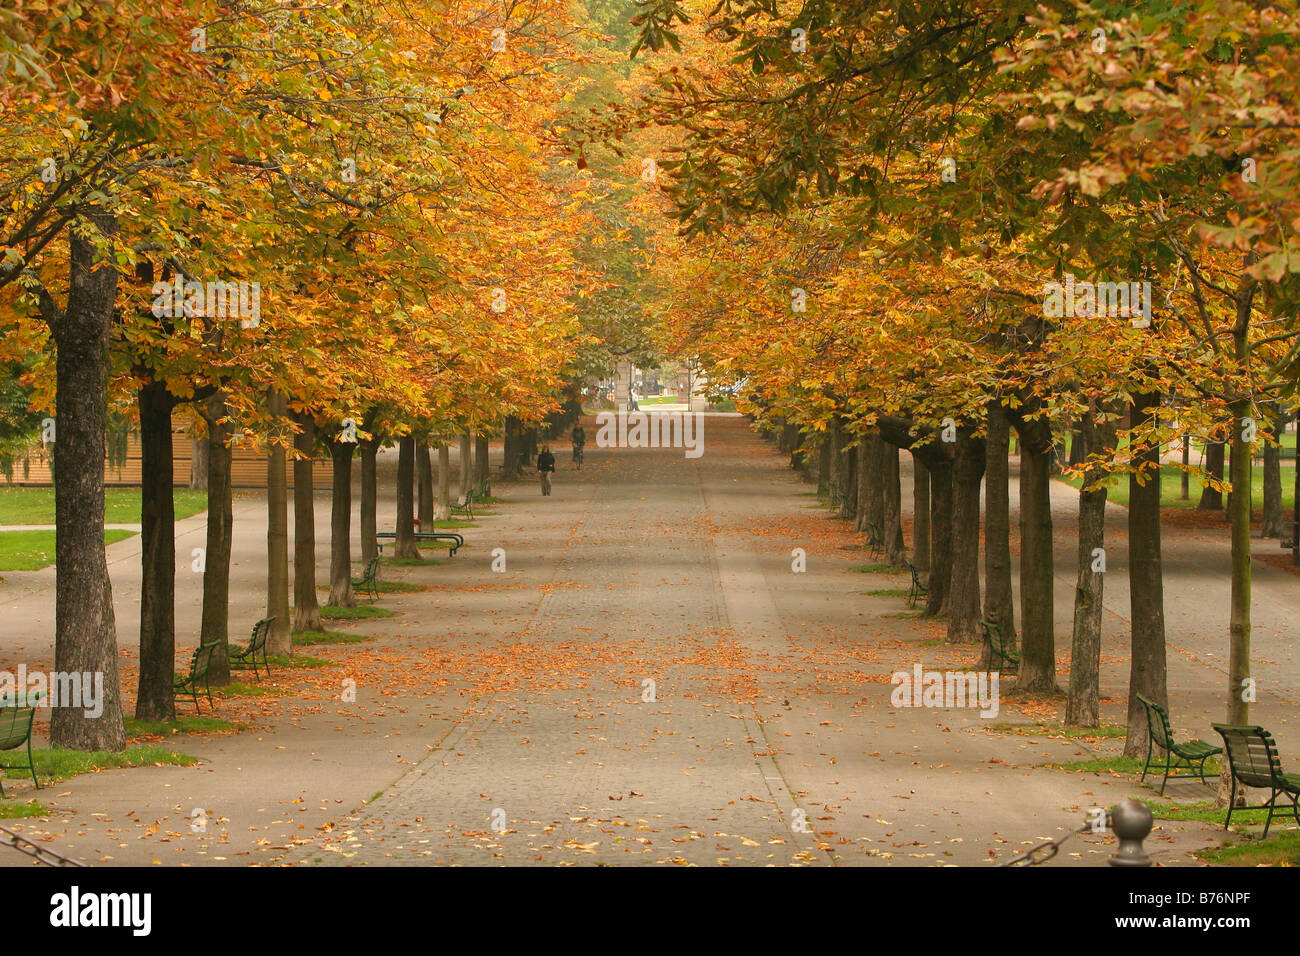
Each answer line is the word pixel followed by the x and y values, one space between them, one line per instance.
pixel 39 853
pixel 1045 851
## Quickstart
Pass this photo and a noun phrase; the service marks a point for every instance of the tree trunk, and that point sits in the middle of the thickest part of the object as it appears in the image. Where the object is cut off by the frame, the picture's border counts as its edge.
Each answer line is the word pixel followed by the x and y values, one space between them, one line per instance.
pixel 515 450
pixel 341 524
pixel 848 474
pixel 442 503
pixel 220 536
pixel 999 599
pixel 920 515
pixel 865 481
pixel 157 556
pixel 835 446
pixel 279 641
pixel 1037 584
pixel 792 443
pixel 1211 497
pixel 964 574
pixel 85 632
pixel 1147 674
pixel 940 538
pixel 895 546
pixel 424 485
pixel 1272 518
pixel 466 464
pixel 198 464
pixel 404 546
pixel 1078 446
pixel 1239 624
pixel 875 479
pixel 482 452
pixel 509 453
pixel 369 499
pixel 1081 708
pixel 824 466
pixel 306 613
pixel 1186 477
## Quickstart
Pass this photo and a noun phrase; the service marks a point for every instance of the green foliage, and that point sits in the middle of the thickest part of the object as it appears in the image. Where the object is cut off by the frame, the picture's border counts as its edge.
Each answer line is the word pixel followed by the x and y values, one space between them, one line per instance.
pixel 20 427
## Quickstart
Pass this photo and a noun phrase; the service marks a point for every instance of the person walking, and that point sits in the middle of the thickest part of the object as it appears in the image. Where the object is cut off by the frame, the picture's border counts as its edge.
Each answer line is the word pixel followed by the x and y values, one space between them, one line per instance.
pixel 579 438
pixel 546 465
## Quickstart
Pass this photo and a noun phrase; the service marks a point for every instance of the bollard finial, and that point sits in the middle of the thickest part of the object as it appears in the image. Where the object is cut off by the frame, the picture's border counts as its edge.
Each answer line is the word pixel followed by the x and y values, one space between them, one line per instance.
pixel 1132 821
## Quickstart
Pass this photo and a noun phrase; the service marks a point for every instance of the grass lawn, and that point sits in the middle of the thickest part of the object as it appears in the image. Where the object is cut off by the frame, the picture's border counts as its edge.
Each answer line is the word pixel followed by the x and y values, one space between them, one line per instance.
pixel 332 612
pixel 299 660
pixel 308 638
pixel 238 688
pixel 121 505
pixel 12 809
pixel 384 587
pixel 392 587
pixel 1134 765
pixel 54 764
pixel 1172 486
pixel 1281 850
pixel 1059 730
pixel 413 562
pixel 181 725
pixel 32 550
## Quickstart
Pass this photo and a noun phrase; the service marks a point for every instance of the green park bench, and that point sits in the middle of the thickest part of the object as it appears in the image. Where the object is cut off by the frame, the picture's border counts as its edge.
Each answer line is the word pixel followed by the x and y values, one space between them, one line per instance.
pixel 466 509
pixel 369 581
pixel 16 716
pixel 918 589
pixel 1192 754
pixel 242 658
pixel 456 541
pixel 187 685
pixel 1000 656
pixel 1252 757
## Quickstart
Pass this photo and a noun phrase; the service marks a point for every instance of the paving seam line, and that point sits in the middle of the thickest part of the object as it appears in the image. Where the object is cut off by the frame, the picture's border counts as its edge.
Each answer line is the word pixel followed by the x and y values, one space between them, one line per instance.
pixel 459 729
pixel 766 760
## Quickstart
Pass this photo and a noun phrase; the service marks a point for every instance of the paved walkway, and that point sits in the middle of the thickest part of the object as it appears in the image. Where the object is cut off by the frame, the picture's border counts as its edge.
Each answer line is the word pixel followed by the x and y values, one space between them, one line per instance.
pixel 505 717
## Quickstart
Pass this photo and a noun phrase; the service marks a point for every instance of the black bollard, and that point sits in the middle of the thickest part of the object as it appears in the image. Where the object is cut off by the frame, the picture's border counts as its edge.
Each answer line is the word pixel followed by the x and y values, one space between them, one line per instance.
pixel 1132 821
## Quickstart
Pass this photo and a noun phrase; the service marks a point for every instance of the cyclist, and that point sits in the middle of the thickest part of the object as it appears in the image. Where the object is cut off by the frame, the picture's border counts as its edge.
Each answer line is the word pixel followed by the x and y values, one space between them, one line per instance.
pixel 579 438
pixel 545 466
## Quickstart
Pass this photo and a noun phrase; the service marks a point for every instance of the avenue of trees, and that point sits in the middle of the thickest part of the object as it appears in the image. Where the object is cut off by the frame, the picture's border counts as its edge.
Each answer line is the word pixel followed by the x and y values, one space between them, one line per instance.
pixel 933 226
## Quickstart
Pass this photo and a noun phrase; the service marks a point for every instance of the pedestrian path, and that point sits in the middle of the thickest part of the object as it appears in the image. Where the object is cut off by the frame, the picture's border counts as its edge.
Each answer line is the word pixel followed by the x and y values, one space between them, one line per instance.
pixel 669 661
